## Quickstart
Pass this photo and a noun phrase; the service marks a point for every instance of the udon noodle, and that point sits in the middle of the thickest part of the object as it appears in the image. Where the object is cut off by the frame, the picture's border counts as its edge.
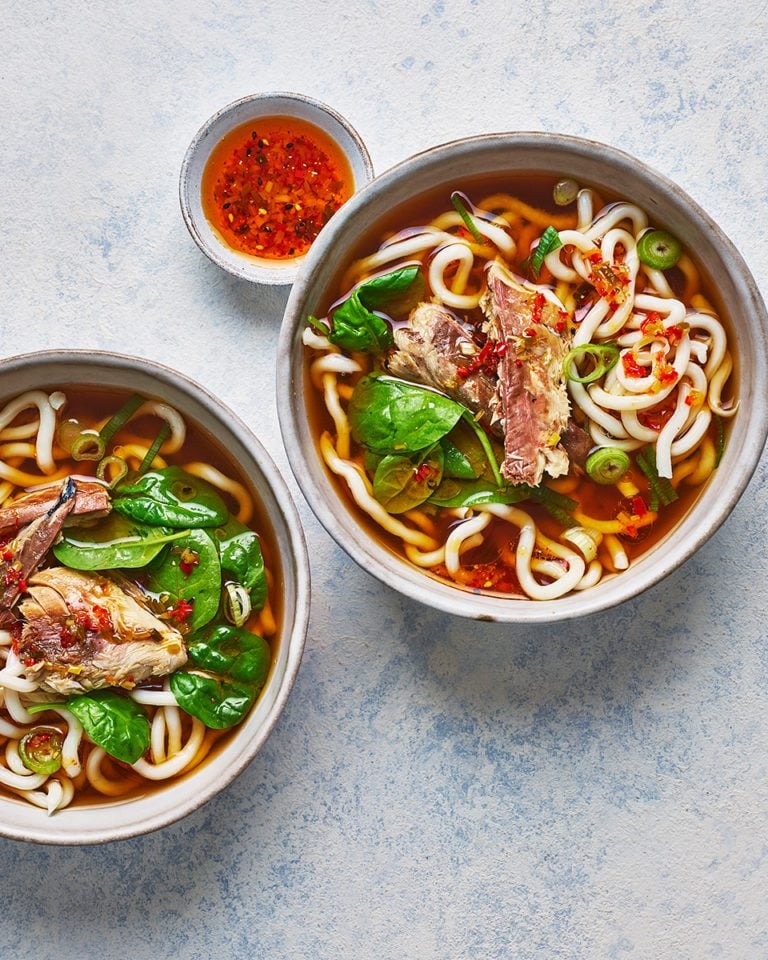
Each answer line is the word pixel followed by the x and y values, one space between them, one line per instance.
pixel 610 322
pixel 71 727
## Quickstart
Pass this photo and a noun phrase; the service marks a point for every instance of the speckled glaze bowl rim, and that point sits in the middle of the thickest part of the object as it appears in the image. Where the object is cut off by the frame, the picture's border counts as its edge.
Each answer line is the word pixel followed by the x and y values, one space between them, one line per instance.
pixel 249 270
pixel 295 569
pixel 705 516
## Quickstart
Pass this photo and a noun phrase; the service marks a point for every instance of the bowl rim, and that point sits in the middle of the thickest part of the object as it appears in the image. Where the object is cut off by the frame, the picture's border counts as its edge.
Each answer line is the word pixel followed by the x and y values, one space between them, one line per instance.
pixel 388 567
pixel 250 271
pixel 295 566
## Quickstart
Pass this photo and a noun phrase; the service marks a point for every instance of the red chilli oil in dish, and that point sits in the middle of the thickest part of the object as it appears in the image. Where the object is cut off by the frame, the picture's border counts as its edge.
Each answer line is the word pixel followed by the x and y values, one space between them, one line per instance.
pixel 521 388
pixel 271 185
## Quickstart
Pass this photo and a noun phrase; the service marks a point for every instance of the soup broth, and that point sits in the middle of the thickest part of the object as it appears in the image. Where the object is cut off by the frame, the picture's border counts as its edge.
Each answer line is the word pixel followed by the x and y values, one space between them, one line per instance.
pixel 627 347
pixel 207 596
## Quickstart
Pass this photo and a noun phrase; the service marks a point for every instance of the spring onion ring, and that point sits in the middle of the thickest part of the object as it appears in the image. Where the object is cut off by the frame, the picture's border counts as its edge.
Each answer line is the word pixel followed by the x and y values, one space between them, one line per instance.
pixel 605 355
pixel 659 250
pixel 607 465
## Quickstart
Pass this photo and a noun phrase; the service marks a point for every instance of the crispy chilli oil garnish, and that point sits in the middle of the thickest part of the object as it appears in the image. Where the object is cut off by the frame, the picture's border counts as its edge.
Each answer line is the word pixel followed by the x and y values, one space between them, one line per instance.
pixel 486 361
pixel 189 560
pixel 181 612
pixel 631 367
pixel 269 188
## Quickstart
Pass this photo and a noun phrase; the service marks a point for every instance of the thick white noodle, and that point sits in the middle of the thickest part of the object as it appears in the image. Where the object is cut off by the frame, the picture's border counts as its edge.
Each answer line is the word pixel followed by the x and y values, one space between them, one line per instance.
pixel 364 499
pixel 98 779
pixel 46 430
pixel 172 417
pixel 524 553
pixel 14 774
pixel 70 759
pixel 457 252
pixel 459 535
pixel 313 340
pixel 174 766
pixel 670 430
pixel 154 698
pixel 56 794
pixel 433 558
pixel 612 216
pixel 217 479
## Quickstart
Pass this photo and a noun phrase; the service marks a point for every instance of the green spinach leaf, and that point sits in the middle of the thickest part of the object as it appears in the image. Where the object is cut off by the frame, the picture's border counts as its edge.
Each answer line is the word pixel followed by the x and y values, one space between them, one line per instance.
pixel 402 483
pixel 355 326
pixel 472 493
pixel 114 542
pixel 200 586
pixel 240 555
pixel 239 661
pixel 113 722
pixel 389 416
pixel 171 498
pixel 457 463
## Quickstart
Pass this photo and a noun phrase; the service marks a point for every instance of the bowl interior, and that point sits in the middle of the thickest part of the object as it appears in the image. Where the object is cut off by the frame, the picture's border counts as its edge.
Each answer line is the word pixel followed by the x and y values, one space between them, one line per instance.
pixel 497 155
pixel 98 822
pixel 228 118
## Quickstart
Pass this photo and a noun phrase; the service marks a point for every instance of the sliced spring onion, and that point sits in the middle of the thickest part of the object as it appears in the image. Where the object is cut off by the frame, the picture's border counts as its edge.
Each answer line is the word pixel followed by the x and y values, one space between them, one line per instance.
pixel 67 432
pixel 607 465
pixel 485 443
pixel 120 418
pixel 237 604
pixel 460 202
pixel 40 749
pixel 556 504
pixel 153 451
pixel 318 324
pixel 661 488
pixel 659 250
pixel 605 356
pixel 88 445
pixel 584 539
pixel 565 192
pixel 720 441
pixel 103 470
pixel 549 241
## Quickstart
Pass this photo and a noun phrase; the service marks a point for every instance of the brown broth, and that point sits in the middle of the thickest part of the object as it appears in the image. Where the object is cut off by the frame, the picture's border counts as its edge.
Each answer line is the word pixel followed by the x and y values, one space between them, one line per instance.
pixel 90 406
pixel 597 501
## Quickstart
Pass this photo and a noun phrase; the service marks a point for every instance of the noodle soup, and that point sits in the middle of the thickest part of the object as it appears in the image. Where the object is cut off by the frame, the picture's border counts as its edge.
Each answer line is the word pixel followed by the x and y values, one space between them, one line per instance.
pixel 520 387
pixel 142 596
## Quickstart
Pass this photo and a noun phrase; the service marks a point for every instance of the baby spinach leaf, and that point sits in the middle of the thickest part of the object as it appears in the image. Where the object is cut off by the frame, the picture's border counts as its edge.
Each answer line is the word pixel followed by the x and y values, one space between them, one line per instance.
pixel 201 586
pixel 113 722
pixel 402 483
pixel 114 542
pixel 240 555
pixel 217 703
pixel 171 498
pixel 355 326
pixel 239 663
pixel 389 416
pixel 473 493
pixel 457 464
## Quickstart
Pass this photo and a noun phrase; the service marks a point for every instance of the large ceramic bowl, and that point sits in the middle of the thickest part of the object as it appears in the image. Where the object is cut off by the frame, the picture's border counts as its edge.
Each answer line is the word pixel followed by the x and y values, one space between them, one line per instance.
pixel 97 823
pixel 590 163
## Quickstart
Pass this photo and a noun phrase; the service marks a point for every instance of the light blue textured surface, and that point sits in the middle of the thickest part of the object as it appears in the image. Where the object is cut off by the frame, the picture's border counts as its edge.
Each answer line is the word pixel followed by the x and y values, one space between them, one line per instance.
pixel 436 788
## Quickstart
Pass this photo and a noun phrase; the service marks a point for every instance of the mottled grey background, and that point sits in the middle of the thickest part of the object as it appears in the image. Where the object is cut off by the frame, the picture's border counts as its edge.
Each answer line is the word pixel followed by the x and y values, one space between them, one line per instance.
pixel 436 788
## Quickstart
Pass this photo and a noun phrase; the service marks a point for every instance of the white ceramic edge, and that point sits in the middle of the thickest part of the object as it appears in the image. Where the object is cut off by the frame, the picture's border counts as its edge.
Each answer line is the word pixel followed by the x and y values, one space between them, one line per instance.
pixel 652 190
pixel 90 825
pixel 279 103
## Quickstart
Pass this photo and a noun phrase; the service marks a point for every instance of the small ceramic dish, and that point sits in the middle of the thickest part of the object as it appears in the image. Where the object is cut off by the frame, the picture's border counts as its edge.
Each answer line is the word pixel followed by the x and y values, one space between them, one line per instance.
pixel 292 107
pixel 91 818
pixel 492 163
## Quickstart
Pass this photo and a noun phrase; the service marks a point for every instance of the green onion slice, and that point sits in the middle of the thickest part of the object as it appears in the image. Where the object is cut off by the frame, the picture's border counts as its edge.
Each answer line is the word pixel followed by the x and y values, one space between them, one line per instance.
pixel 604 355
pixel 87 446
pixel 237 604
pixel 153 451
pixel 720 442
pixel 40 749
pixel 549 241
pixel 120 418
pixel 565 192
pixel 661 488
pixel 106 463
pixel 607 465
pixel 460 202
pixel 659 250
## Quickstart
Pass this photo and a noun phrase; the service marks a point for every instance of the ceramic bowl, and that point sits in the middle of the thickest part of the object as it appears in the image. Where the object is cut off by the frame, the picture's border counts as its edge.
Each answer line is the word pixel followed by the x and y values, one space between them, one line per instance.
pixel 113 820
pixel 210 134
pixel 587 162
